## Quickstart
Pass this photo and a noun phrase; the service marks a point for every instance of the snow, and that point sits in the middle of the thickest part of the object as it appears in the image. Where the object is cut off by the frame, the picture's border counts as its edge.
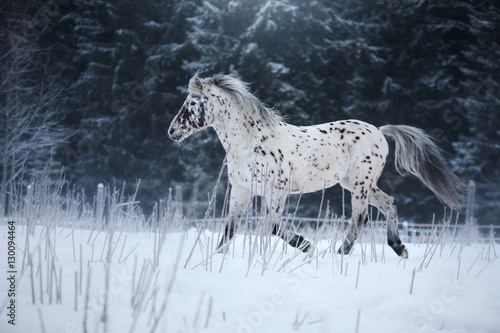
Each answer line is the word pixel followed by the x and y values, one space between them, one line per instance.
pixel 278 68
pixel 153 24
pixel 212 292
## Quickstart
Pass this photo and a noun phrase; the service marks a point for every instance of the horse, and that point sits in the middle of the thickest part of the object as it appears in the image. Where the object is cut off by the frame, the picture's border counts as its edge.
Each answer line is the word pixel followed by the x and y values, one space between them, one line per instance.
pixel 268 157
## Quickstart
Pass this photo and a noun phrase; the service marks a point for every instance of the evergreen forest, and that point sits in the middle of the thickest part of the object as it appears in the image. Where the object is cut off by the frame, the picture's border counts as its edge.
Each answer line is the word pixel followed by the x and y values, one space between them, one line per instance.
pixel 100 82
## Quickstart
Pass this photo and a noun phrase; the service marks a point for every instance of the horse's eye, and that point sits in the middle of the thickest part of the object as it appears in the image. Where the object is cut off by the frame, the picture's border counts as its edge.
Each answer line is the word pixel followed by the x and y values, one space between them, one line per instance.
pixel 192 103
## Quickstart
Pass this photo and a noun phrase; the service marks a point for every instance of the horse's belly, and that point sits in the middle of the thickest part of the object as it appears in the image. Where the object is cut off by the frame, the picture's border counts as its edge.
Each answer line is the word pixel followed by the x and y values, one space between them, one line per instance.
pixel 306 181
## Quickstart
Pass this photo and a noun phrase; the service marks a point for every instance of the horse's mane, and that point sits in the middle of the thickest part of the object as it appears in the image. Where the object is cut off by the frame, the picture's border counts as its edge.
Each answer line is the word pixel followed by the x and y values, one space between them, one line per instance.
pixel 240 90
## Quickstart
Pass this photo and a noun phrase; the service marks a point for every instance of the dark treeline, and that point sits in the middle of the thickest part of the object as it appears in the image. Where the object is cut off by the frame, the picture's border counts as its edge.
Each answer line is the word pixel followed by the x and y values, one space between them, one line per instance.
pixel 123 68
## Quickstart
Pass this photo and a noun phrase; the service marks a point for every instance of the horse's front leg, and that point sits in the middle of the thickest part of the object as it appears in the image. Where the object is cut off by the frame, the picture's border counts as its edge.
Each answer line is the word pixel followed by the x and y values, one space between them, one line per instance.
pixel 291 238
pixel 277 229
pixel 238 204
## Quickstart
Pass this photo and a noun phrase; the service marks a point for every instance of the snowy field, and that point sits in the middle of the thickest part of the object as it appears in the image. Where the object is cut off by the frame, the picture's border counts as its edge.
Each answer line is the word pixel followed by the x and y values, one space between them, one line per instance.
pixel 80 279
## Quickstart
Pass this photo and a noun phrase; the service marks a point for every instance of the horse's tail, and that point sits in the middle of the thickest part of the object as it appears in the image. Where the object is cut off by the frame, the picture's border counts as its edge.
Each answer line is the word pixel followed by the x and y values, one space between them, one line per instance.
pixel 420 156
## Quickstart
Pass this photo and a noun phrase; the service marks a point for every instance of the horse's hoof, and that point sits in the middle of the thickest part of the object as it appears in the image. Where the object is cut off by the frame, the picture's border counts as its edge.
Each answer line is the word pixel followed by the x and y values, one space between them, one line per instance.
pixel 305 246
pixel 222 248
pixel 404 253
pixel 347 249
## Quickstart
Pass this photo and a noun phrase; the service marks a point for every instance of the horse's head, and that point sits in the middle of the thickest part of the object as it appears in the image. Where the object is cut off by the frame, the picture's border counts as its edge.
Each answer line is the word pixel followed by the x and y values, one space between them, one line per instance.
pixel 193 115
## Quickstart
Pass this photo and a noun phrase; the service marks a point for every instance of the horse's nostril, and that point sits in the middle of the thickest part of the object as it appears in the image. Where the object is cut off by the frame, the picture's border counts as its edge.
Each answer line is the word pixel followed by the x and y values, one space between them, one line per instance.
pixel 171 131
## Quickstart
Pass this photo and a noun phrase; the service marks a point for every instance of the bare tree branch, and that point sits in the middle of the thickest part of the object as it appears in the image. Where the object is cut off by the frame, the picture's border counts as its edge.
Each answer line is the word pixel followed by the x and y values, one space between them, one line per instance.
pixel 30 127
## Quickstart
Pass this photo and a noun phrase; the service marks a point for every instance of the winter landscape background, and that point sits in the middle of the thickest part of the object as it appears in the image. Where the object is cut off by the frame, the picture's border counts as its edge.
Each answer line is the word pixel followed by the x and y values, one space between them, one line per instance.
pixel 97 203
pixel 104 80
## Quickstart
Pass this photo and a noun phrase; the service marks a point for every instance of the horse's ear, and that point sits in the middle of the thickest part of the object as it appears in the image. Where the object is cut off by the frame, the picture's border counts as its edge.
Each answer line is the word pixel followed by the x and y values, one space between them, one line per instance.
pixel 195 85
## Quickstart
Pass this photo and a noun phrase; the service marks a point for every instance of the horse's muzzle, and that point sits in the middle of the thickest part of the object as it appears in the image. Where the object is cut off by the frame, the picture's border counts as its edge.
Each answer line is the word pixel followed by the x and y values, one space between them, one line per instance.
pixel 174 135
pixel 177 134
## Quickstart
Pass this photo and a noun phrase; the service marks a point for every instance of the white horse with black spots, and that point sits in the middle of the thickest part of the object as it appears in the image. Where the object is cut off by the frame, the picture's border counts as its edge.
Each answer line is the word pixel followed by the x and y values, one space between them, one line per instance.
pixel 269 157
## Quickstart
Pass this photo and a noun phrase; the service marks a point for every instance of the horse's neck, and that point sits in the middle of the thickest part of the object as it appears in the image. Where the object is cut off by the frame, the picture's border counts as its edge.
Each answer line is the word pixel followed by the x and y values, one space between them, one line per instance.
pixel 237 125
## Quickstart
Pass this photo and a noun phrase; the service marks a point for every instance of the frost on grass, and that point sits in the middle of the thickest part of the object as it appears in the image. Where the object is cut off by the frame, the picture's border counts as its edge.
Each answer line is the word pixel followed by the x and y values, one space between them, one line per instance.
pixel 104 267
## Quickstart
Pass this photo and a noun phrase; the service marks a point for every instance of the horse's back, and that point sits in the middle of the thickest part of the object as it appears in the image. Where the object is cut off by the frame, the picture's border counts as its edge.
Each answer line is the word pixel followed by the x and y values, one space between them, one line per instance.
pixel 324 154
pixel 356 137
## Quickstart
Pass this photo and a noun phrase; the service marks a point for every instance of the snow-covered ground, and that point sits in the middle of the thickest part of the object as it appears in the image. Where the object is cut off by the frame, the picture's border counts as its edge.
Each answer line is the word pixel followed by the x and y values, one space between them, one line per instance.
pixel 174 282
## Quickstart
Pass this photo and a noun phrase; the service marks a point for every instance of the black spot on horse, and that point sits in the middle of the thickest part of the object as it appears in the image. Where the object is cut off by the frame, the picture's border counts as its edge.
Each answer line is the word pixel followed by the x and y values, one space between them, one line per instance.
pixel 272 154
pixel 259 149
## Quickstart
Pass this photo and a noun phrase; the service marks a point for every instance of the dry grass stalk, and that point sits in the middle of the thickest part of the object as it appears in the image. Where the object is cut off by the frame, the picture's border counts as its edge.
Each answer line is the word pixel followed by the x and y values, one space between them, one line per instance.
pixel 210 207
pixel 30 263
pixel 76 291
pixel 357 275
pixel 40 316
pixel 487 264
pixel 86 308
pixel 170 285
pixel 412 280
pixel 358 318
pixel 209 311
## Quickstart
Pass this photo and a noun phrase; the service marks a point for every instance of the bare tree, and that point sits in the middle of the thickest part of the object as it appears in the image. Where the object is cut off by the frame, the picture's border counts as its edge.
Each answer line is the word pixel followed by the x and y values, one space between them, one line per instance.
pixel 29 123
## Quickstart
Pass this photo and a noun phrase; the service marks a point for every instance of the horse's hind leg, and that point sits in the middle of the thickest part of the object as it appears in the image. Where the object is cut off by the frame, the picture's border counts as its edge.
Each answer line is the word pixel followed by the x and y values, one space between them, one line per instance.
pixel 358 220
pixel 387 206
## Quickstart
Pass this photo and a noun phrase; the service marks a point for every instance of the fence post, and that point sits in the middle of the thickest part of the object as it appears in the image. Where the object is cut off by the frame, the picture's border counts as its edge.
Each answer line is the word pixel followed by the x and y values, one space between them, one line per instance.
pixel 100 202
pixel 29 212
pixel 471 198
pixel 469 219
pixel 177 204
